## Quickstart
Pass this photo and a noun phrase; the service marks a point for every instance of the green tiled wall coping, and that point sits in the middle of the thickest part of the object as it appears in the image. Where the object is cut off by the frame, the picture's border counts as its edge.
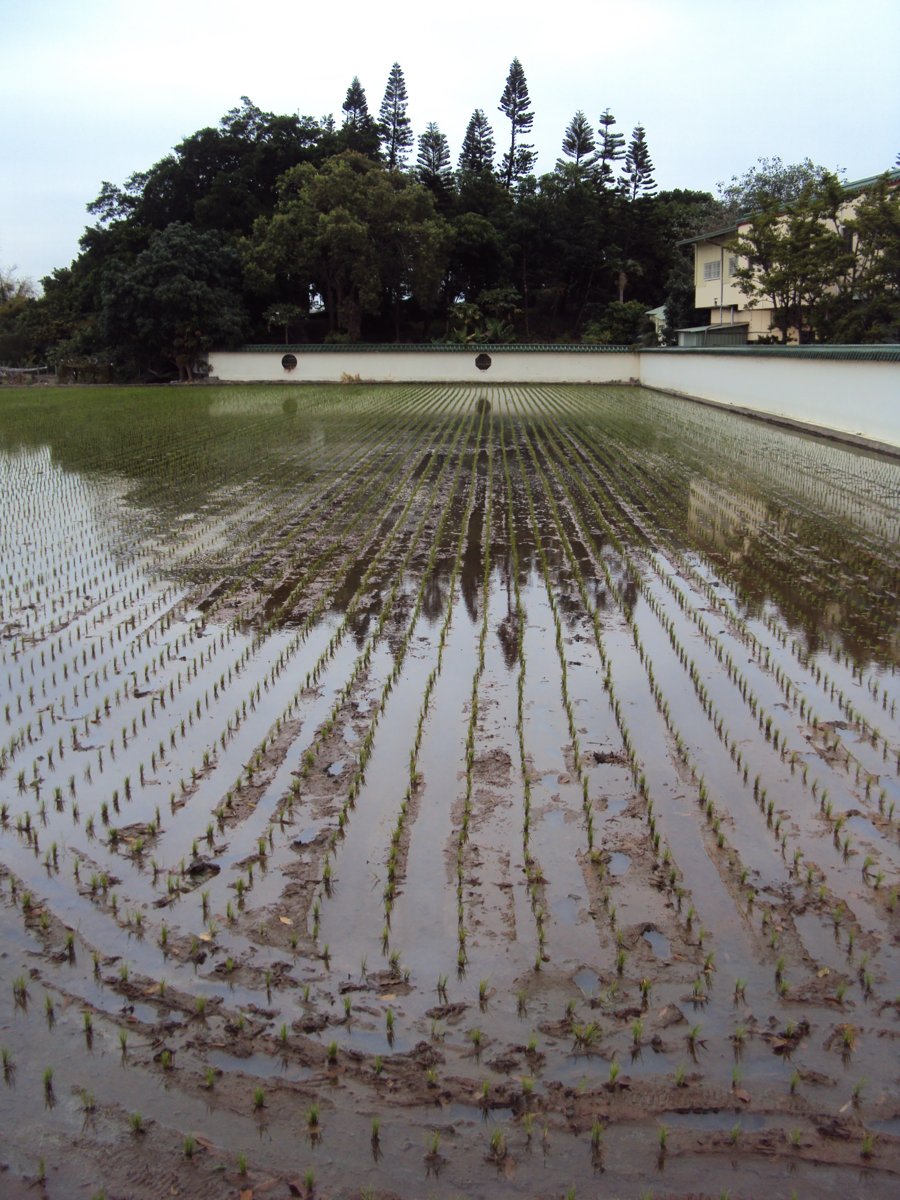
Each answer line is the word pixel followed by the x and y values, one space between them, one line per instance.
pixel 875 353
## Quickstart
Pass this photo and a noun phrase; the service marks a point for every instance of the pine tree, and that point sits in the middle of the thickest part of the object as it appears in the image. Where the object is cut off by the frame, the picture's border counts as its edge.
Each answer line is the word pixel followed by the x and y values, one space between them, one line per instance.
pixel 355 107
pixel 520 158
pixel 433 162
pixel 477 154
pixel 578 142
pixel 611 149
pixel 394 129
pixel 637 177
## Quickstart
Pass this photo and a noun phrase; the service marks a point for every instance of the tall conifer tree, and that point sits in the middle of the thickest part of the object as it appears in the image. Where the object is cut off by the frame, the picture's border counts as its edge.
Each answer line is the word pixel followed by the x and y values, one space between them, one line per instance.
pixel 394 129
pixel 612 149
pixel 579 143
pixel 520 157
pixel 355 106
pixel 477 154
pixel 637 177
pixel 433 162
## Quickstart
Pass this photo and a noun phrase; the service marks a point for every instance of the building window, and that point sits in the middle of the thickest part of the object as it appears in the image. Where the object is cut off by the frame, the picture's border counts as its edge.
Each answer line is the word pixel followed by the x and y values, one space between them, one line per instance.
pixel 712 270
pixel 732 265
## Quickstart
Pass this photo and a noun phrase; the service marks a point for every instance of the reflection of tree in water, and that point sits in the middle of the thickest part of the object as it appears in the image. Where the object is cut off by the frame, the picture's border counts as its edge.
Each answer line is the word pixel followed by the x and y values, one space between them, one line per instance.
pixel 434 597
pixel 826 584
pixel 508 629
pixel 508 637
pixel 472 567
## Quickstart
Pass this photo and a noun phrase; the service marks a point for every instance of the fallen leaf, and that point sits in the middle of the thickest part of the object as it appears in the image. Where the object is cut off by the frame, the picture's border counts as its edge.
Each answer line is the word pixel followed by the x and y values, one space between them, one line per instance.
pixel 246 1194
pixel 285 920
pixel 742 1095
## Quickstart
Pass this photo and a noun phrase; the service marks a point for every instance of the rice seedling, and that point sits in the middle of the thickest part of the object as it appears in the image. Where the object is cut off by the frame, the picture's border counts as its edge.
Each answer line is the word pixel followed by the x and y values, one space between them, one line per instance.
pixel 497 1145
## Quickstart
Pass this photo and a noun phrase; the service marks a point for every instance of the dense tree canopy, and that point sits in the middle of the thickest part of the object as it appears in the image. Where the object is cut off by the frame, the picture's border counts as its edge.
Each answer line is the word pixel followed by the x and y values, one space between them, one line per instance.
pixel 314 229
pixel 180 296
pixel 350 232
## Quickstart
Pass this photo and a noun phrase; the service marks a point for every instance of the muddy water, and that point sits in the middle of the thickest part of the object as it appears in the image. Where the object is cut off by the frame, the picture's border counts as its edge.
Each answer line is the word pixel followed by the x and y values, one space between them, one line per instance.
pixel 238 642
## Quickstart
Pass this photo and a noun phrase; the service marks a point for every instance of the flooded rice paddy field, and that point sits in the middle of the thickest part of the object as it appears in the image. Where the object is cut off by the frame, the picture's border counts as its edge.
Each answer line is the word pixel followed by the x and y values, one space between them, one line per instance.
pixel 444 791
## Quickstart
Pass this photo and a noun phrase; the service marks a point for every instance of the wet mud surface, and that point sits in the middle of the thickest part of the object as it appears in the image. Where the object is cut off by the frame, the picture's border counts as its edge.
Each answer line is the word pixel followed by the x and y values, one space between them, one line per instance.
pixel 433 791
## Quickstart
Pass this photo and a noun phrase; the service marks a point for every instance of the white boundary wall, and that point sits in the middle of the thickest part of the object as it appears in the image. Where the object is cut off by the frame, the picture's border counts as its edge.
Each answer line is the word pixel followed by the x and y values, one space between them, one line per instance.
pixel 853 394
pixel 426 366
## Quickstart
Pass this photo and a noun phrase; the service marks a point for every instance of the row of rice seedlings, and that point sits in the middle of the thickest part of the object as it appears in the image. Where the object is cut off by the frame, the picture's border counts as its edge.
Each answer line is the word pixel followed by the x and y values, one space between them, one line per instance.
pixel 664 709
pixel 713 816
pixel 325 599
pixel 345 564
pixel 360 665
pixel 656 480
pixel 639 583
pixel 805 480
pixel 533 873
pixel 169 878
pixel 347 492
pixel 142 772
pixel 361 511
pixel 673 877
pixel 350 508
pixel 462 837
pixel 357 777
pixel 731 666
pixel 765 722
pixel 395 866
pixel 575 743
pixel 762 653
pixel 643 482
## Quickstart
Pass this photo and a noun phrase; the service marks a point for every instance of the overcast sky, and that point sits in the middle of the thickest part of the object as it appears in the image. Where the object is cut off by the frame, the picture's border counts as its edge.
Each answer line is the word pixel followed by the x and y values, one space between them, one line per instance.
pixel 96 89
